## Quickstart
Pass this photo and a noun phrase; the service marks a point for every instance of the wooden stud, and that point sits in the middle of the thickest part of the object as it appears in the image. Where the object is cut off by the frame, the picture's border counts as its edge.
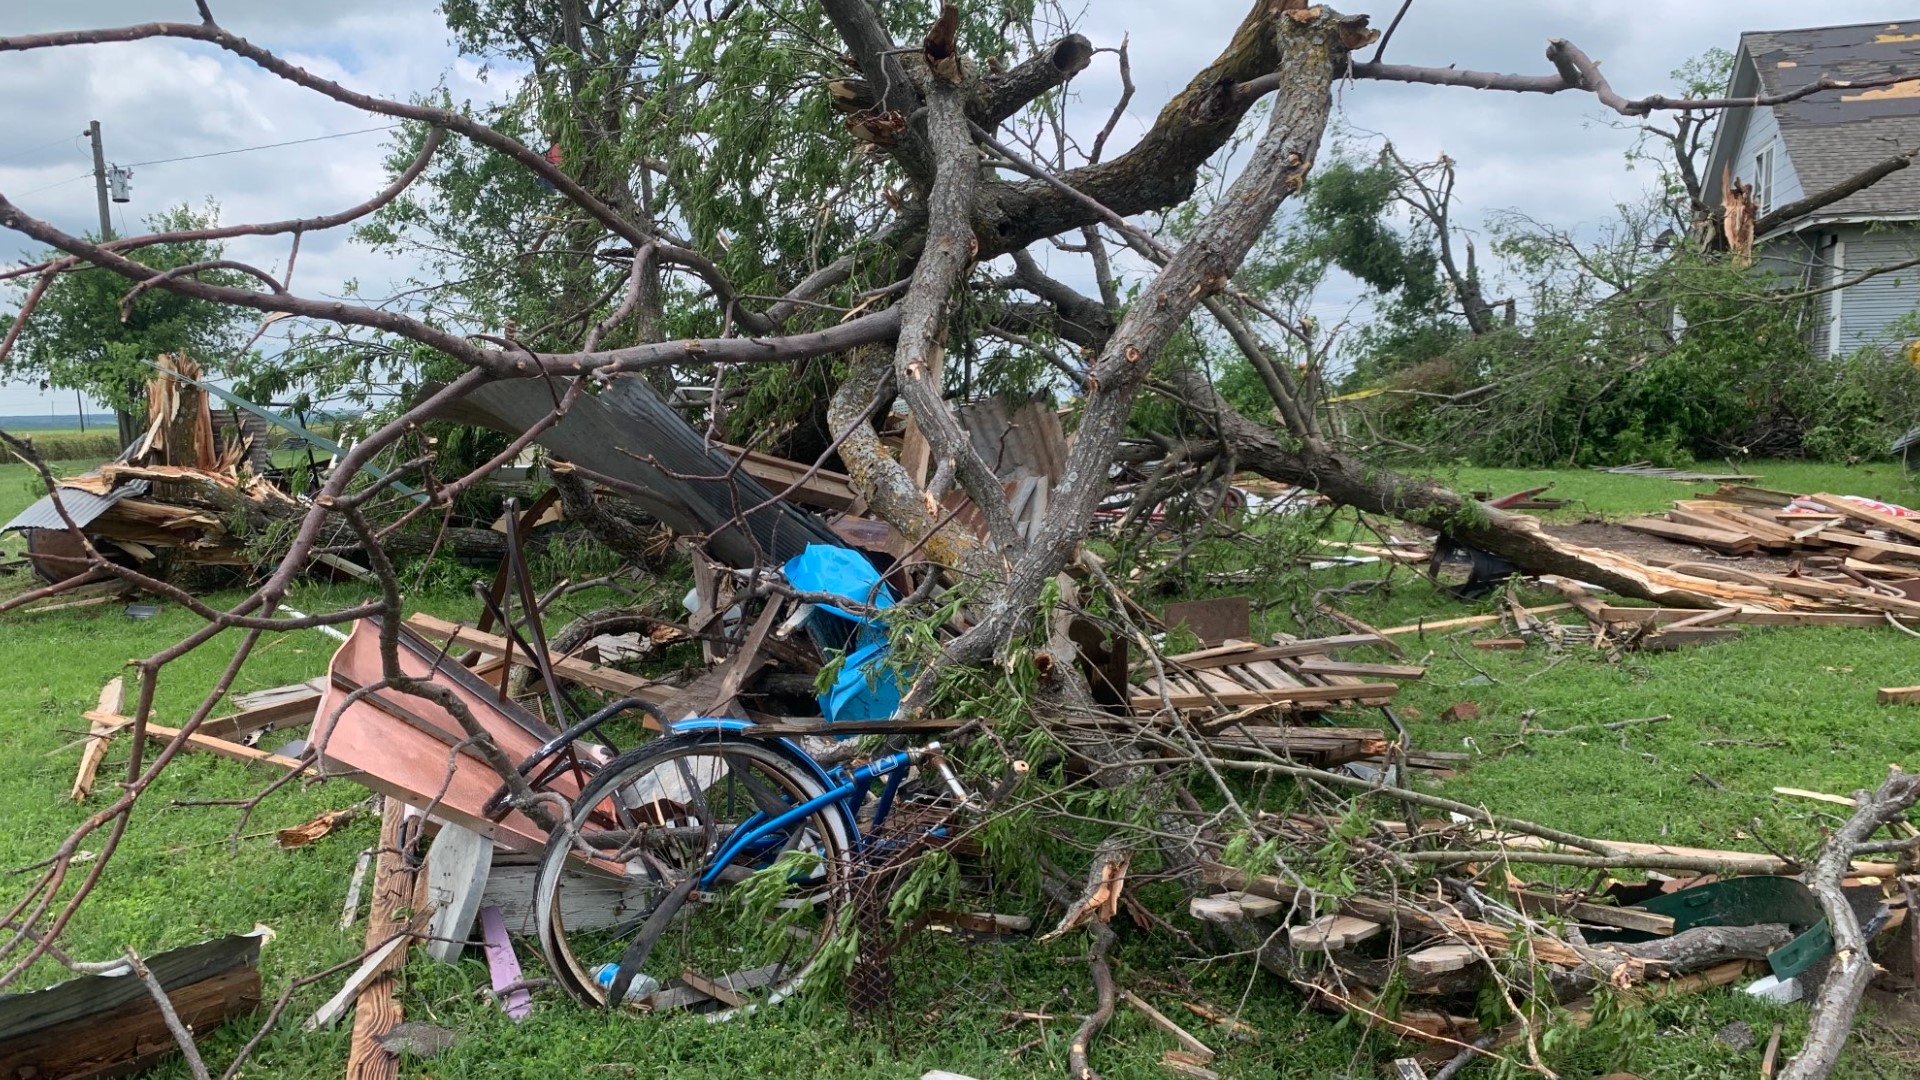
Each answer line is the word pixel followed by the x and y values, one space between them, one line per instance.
pixel 376 1010
pixel 580 671
pixel 1191 1045
pixel 113 701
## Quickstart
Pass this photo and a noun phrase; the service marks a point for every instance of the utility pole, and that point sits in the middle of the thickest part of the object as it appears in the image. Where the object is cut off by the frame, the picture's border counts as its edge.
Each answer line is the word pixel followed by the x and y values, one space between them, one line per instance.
pixel 100 180
pixel 128 427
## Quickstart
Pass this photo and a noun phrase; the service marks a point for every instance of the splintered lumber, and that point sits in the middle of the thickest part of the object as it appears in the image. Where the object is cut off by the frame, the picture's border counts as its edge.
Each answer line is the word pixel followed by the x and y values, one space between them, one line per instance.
pixel 1893 523
pixel 1188 1065
pixel 1232 907
pixel 1314 665
pixel 1296 695
pixel 266 710
pixel 376 1008
pixel 1180 1035
pixel 113 698
pixel 609 679
pixel 1723 540
pixel 1899 695
pixel 1330 933
pixel 1614 613
pixel 1466 621
pixel 1246 652
pixel 1868 549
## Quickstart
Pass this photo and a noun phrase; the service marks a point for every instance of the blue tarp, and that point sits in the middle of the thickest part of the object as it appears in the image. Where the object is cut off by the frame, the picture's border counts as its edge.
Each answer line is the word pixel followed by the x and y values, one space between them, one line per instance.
pixel 868 688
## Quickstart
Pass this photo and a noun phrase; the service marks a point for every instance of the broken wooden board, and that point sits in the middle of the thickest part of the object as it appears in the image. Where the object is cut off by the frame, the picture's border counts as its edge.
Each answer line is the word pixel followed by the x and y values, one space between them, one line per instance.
pixel 112 702
pixel 109 1025
pixel 377 1006
pixel 596 676
pixel 1721 540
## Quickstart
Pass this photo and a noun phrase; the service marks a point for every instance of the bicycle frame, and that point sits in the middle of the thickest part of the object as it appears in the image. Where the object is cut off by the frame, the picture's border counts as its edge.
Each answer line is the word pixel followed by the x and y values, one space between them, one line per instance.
pixel 849 792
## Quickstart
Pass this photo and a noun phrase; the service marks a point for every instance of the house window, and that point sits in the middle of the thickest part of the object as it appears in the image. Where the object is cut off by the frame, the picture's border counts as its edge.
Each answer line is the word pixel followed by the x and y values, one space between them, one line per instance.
pixel 1763 178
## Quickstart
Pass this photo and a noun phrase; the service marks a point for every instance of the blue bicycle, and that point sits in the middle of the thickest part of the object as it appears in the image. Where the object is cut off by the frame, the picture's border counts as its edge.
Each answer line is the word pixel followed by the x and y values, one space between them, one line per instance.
pixel 713 865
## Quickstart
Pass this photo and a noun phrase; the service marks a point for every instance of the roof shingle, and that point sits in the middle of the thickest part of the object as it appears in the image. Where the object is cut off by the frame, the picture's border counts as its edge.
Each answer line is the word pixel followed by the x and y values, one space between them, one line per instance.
pixel 1835 134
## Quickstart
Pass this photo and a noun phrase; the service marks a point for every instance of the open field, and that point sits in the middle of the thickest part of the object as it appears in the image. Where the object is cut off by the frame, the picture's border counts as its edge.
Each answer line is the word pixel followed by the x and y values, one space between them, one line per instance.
pixel 1800 700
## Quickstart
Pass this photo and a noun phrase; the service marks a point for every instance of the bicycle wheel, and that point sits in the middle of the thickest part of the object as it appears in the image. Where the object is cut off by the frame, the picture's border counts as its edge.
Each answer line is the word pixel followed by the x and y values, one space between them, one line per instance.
pixel 683 867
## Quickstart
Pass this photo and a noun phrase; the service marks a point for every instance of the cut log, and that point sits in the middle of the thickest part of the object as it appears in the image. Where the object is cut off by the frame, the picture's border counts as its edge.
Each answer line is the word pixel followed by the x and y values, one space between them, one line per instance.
pixel 1330 933
pixel 1440 959
pixel 1232 907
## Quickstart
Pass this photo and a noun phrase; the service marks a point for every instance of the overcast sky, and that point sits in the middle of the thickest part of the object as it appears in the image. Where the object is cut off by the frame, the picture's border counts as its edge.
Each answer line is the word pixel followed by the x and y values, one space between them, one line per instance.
pixel 1552 157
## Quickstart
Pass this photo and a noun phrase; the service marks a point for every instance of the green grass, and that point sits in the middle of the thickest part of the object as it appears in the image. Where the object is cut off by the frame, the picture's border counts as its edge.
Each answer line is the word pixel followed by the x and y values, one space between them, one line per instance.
pixel 174 881
pixel 1609 496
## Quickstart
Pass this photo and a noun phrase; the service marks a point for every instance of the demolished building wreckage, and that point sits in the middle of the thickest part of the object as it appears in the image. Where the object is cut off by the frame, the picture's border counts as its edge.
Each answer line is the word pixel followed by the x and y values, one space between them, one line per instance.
pixel 1240 706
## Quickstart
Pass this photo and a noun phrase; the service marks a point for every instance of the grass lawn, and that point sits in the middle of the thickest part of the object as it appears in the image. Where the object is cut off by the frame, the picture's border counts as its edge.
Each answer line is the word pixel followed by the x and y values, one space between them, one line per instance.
pixel 174 880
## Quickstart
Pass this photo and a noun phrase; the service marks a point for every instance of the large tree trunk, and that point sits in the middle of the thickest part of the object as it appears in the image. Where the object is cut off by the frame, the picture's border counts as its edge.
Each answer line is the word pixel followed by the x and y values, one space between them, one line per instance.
pixel 1311 463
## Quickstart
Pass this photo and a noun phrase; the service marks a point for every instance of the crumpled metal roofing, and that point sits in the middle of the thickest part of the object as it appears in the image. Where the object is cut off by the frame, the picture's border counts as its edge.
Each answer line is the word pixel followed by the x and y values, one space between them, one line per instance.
pixel 81 506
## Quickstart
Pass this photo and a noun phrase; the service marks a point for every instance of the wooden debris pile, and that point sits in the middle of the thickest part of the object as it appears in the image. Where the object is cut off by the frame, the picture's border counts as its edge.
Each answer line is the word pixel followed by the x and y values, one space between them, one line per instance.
pixel 1865 537
pixel 1421 962
pixel 192 488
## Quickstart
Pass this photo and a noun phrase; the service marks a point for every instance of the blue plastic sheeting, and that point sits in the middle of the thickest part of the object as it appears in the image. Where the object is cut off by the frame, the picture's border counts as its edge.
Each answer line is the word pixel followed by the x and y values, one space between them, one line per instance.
pixel 868 688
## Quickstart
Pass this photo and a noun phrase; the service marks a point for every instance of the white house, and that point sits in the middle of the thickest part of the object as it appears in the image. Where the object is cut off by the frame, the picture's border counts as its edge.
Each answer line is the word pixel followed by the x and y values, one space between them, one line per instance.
pixel 1801 148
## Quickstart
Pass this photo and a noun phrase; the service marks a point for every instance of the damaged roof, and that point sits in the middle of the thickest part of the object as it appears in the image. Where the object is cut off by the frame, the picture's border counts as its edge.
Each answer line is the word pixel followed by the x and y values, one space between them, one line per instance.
pixel 1835 134
pixel 82 506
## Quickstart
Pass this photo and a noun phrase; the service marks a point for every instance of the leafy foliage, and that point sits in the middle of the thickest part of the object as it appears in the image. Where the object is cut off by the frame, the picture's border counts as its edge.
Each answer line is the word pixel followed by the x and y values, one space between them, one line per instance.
pixel 76 339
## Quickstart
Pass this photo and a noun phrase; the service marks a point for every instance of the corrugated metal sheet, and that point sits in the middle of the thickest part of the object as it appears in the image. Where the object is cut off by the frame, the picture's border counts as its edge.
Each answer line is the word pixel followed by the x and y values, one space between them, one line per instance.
pixel 1870 310
pixel 81 506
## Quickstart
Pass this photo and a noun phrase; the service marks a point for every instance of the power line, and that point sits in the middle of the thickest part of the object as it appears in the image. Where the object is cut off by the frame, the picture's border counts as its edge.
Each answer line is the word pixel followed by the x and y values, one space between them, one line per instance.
pixel 31 150
pixel 56 183
pixel 267 146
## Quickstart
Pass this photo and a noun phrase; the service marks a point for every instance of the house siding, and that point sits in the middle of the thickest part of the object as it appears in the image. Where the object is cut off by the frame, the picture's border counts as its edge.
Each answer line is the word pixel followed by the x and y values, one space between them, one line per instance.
pixel 1872 312
pixel 1763 128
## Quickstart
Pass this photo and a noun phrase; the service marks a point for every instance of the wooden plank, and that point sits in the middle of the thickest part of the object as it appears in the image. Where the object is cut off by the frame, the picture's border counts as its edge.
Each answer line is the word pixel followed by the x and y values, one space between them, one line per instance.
pixel 458 864
pixel 1301 695
pixel 232 751
pixel 113 700
pixel 1314 665
pixel 1213 658
pixel 1899 695
pixel 580 671
pixel 376 1009
pixel 1160 1020
pixel 1330 933
pixel 680 997
pixel 373 967
pixel 1868 549
pixel 722 994
pixel 1501 644
pixel 1907 527
pixel 1716 523
pixel 1620 918
pixel 266 710
pixel 1466 621
pixel 1723 540
pixel 1662 616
